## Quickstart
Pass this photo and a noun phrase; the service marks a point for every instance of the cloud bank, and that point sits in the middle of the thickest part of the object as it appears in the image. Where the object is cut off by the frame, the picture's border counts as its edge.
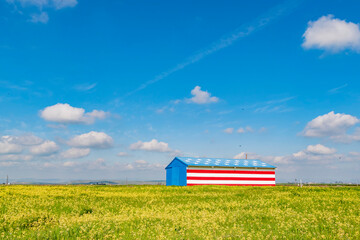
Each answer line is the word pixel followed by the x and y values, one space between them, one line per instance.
pixel 76 153
pixel 332 35
pixel 151 146
pixel 64 113
pixel 46 148
pixel 8 147
pixel 91 140
pixel 333 126
pixel 312 154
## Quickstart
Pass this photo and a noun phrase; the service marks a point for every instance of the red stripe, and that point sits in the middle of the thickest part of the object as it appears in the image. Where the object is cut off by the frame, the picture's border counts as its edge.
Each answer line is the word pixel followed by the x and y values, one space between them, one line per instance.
pixel 196 184
pixel 230 178
pixel 229 171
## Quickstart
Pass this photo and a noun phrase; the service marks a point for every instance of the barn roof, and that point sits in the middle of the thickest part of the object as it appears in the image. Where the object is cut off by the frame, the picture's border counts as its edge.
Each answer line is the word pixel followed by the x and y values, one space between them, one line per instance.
pixel 223 162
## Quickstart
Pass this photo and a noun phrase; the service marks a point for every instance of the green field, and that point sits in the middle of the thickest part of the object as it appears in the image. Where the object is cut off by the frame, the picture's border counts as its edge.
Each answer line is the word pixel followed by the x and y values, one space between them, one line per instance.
pixel 160 212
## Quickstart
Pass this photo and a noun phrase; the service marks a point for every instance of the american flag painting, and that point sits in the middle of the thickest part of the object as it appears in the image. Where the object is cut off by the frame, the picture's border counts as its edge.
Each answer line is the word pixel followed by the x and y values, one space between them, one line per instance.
pixel 187 171
pixel 231 177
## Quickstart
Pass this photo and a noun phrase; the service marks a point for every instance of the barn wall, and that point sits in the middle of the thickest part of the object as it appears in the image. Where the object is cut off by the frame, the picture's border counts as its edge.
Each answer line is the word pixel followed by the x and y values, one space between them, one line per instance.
pixel 168 176
pixel 176 174
pixel 182 176
pixel 230 176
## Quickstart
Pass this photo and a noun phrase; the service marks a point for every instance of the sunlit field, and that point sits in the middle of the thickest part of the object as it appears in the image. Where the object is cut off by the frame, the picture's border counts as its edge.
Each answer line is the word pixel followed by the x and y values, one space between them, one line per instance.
pixel 160 212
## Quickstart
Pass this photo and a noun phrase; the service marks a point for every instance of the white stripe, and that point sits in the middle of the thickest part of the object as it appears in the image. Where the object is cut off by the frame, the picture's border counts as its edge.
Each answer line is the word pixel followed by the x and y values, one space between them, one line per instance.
pixel 228 182
pixel 230 175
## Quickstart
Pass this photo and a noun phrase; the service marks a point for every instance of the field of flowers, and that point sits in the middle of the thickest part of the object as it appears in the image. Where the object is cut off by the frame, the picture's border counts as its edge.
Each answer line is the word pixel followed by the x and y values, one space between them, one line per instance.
pixel 160 212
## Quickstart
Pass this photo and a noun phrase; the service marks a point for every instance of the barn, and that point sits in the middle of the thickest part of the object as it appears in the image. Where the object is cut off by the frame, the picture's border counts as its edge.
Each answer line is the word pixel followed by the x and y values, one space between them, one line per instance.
pixel 188 171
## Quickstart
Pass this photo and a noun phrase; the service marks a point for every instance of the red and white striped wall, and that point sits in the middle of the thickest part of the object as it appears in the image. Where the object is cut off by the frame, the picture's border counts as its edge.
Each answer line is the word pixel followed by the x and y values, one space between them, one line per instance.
pixel 231 177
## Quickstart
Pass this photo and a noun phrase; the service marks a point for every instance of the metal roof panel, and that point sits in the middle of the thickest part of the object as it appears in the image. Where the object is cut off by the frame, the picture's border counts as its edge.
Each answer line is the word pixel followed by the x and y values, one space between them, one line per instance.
pixel 224 162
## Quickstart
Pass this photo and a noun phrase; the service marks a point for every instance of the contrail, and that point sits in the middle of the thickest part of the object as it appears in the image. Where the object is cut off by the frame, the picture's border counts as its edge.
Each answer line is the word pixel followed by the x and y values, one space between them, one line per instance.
pixel 227 40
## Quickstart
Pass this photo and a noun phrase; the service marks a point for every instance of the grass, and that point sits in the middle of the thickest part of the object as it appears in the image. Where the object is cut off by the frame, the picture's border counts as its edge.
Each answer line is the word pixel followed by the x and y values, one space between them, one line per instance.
pixel 160 212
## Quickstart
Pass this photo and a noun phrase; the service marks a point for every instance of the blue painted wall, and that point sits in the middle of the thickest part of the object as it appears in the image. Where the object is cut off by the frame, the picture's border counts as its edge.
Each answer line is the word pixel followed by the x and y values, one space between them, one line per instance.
pixel 176 173
pixel 168 176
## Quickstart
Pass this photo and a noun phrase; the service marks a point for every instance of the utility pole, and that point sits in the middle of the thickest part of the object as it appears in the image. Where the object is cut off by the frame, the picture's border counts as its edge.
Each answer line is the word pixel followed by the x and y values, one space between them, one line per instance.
pixel 7 179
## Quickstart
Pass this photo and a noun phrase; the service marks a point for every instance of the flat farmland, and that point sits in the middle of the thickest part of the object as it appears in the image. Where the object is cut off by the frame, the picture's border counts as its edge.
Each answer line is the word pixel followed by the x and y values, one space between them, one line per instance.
pixel 197 212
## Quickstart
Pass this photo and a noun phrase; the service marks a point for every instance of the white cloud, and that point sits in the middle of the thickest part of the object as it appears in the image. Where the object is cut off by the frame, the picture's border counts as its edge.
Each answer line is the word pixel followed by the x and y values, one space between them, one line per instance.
pixel 347 138
pixel 312 154
pixel 176 153
pixel 8 164
pixel 244 155
pixel 320 149
pixel 70 164
pixel 244 130
pixel 153 146
pixel 7 147
pixel 268 159
pixel 91 140
pixel 99 163
pixel 76 153
pixel 141 162
pixel 329 124
pixel 279 159
pixel 353 156
pixel 229 130
pixel 332 34
pixel 64 113
pixel 46 148
pixel 26 140
pixel 25 3
pixel 57 4
pixel 96 114
pixel 15 157
pixel 39 18
pixel 315 153
pixel 143 165
pixel 201 97
pixel 122 154
pixel 57 126
pixel 241 130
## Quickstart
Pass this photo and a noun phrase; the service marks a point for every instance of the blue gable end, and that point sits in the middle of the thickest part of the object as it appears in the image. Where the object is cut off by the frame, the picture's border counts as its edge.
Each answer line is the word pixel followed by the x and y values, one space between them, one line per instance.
pixel 176 163
pixel 176 173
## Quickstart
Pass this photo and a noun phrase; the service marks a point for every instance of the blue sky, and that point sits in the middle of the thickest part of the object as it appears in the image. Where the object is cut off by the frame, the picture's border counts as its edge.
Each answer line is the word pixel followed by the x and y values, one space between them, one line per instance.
pixel 92 90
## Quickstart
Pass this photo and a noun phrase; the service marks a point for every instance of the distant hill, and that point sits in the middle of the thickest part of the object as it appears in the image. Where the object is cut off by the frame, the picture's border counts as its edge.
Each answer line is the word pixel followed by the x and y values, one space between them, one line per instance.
pixel 85 182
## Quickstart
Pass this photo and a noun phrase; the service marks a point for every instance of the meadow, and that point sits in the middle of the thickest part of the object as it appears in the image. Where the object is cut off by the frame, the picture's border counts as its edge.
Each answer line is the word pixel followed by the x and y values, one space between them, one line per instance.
pixel 160 212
